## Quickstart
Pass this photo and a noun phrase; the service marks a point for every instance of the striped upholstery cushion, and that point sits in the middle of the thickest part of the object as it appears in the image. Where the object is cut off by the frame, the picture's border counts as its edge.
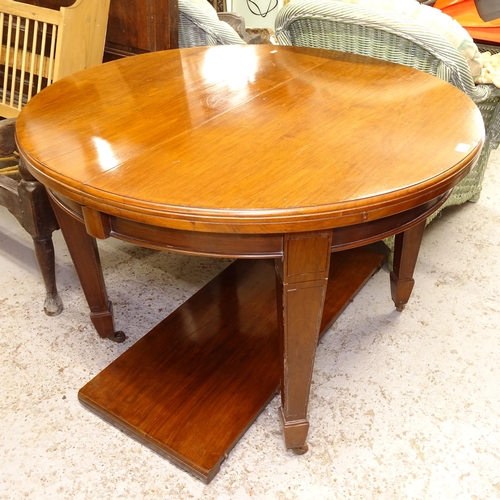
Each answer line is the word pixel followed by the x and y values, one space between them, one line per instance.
pixel 435 20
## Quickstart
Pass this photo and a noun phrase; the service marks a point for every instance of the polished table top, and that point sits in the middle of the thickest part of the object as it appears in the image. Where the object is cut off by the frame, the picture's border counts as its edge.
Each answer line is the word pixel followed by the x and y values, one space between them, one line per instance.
pixel 249 139
pixel 241 151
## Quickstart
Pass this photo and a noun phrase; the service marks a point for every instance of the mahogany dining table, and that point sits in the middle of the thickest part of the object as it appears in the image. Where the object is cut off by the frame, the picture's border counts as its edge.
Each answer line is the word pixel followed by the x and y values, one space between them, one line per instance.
pixel 289 160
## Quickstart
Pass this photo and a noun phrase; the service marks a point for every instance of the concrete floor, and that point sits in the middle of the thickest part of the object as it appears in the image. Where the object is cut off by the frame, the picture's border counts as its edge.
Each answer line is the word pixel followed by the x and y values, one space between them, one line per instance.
pixel 403 405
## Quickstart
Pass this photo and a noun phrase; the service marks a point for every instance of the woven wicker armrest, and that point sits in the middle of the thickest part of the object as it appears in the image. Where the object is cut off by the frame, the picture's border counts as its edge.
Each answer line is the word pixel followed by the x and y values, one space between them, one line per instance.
pixel 377 33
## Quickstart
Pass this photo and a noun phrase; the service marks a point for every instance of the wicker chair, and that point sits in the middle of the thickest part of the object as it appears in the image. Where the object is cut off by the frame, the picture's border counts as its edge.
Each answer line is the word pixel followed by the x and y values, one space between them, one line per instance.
pixel 198 28
pixel 392 37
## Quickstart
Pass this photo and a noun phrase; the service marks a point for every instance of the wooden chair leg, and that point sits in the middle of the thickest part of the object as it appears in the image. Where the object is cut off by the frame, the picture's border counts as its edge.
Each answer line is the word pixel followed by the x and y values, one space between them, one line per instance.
pixel 39 221
pixel 44 251
pixel 27 200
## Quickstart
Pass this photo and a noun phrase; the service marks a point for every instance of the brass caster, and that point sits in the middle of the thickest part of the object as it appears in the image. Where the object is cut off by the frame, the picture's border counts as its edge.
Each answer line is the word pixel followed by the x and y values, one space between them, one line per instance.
pixel 118 337
pixel 301 449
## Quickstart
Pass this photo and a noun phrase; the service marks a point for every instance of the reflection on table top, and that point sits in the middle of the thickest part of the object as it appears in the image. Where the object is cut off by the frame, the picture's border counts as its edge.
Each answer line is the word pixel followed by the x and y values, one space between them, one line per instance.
pixel 207 138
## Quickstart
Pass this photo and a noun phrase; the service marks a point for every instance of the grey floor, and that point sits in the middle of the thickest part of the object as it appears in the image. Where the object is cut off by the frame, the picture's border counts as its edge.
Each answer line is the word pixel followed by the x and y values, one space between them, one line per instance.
pixel 403 405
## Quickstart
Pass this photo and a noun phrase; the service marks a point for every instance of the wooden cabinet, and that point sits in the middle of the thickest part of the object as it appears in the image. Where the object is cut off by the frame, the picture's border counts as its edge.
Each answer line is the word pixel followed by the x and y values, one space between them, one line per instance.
pixel 137 26
pixel 134 26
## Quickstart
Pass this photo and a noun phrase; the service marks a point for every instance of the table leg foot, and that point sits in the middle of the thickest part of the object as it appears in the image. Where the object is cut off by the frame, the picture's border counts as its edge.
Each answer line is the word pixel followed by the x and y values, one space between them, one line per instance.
pixel 295 434
pixel 118 337
pixel 104 324
pixel 301 449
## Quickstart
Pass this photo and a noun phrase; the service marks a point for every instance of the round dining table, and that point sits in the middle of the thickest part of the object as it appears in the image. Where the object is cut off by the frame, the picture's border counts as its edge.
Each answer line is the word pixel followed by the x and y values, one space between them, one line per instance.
pixel 285 154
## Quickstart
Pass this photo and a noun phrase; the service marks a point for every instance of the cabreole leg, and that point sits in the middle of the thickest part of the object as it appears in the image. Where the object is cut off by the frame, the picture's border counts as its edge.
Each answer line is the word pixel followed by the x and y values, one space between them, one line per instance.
pixel 38 219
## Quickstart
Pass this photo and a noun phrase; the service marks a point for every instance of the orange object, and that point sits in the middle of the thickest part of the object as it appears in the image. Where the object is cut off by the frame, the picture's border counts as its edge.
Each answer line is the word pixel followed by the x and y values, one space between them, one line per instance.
pixel 465 13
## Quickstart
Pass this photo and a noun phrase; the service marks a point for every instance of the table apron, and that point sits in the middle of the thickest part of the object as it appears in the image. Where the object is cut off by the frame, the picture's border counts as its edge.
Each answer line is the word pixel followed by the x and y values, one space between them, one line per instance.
pixel 236 245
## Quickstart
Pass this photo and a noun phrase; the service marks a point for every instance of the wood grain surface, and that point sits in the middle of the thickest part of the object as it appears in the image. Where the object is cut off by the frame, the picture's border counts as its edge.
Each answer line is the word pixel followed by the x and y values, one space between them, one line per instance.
pixel 192 386
pixel 250 139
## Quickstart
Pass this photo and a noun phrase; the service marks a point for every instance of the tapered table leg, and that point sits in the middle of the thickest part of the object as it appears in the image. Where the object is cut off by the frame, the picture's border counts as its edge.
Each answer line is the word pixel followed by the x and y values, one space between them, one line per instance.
pixel 85 256
pixel 406 248
pixel 302 278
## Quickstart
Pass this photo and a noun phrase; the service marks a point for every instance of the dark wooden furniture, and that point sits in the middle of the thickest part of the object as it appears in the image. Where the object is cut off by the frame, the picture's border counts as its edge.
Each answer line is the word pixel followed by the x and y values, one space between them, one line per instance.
pixel 27 200
pixel 138 26
pixel 134 26
pixel 292 155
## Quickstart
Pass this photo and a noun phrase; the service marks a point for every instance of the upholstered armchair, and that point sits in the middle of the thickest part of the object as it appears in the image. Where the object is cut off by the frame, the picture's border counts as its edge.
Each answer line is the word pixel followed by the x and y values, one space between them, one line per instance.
pixel 382 34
